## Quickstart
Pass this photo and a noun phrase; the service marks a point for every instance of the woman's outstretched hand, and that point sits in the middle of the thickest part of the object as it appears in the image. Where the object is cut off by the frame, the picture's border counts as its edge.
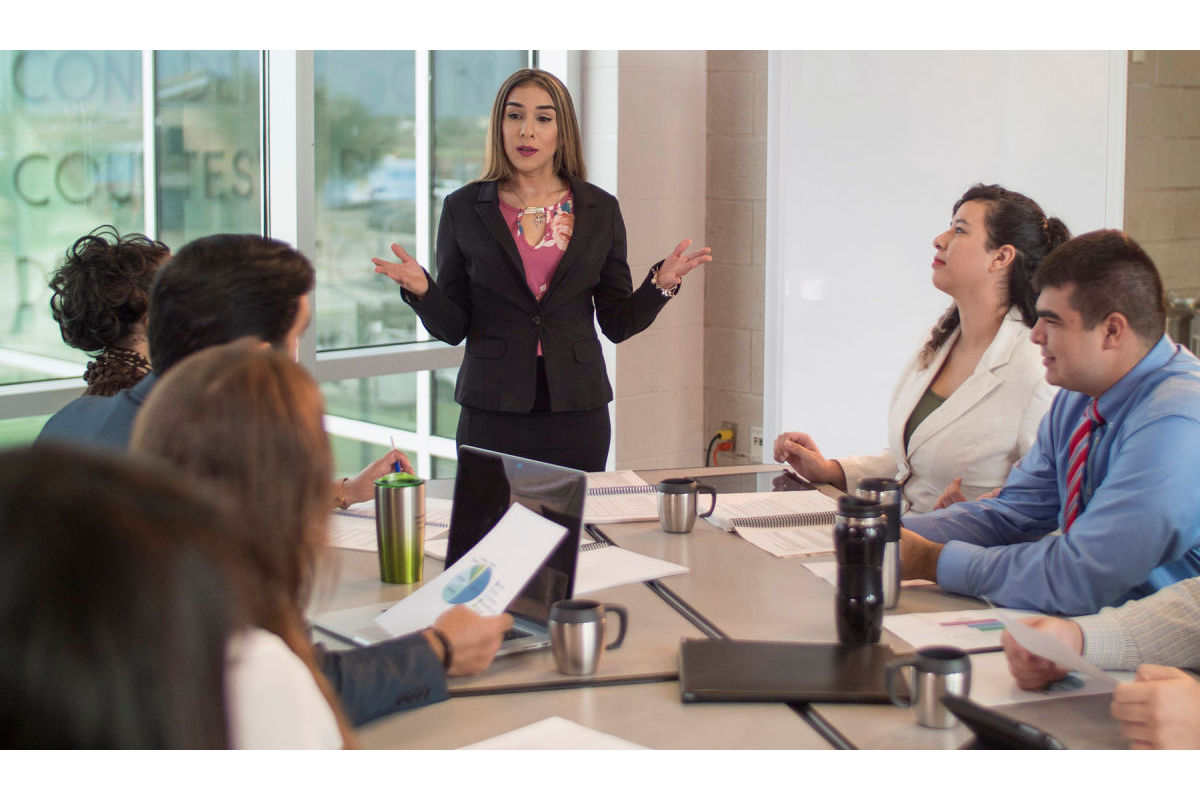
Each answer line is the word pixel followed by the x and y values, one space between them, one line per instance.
pixel 406 272
pixel 676 265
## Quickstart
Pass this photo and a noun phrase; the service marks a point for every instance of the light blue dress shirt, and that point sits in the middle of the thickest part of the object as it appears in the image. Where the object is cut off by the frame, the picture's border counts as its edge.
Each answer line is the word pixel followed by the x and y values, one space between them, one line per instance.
pixel 1140 526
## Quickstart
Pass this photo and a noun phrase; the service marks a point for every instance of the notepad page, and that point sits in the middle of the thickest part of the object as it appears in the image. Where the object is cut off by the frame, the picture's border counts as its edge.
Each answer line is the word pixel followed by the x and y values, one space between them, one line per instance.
pixel 638 507
pixel 767 504
pixel 604 480
pixel 791 542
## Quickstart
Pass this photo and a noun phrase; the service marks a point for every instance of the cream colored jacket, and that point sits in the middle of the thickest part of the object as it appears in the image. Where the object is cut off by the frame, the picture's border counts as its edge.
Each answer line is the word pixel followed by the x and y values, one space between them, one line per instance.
pixel 977 434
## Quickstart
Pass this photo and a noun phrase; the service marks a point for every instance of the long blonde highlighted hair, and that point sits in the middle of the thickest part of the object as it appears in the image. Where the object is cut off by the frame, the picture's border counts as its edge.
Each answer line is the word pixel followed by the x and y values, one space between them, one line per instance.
pixel 244 423
pixel 568 157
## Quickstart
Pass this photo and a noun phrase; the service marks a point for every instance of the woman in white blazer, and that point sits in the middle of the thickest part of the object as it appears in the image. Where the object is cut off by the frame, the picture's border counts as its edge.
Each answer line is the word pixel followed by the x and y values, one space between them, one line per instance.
pixel 968 404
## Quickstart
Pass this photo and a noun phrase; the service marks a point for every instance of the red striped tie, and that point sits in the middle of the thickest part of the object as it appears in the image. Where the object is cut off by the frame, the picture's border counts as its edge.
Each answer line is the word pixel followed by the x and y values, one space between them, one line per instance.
pixel 1077 463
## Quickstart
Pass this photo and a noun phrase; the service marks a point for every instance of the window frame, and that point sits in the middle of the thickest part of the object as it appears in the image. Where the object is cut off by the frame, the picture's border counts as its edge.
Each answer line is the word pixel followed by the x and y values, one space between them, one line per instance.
pixel 286 118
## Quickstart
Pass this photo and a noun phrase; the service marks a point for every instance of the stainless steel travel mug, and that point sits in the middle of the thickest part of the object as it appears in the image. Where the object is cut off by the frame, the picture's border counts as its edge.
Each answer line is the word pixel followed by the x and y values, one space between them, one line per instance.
pixel 677 503
pixel 936 672
pixel 400 527
pixel 577 633
pixel 886 492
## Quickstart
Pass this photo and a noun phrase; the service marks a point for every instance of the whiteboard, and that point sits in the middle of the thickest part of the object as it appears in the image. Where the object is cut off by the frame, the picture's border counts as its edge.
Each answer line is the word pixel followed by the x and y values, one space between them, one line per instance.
pixel 866 154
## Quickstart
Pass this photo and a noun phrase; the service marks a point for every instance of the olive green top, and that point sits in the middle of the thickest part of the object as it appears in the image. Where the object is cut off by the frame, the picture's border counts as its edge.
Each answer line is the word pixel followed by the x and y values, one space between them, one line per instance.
pixel 928 403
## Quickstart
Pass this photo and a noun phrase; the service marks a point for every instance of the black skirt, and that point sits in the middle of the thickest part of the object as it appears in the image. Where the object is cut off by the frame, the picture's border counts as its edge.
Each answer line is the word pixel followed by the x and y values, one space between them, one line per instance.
pixel 576 439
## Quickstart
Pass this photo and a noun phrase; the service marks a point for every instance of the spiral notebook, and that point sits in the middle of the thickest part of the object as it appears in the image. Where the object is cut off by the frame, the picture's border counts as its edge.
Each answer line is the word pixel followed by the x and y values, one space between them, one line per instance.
pixel 785 524
pixel 619 497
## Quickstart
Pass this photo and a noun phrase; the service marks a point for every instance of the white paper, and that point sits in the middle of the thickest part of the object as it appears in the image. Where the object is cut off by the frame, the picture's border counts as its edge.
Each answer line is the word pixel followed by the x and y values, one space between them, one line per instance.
pixel 624 477
pixel 598 569
pixel 486 578
pixel 607 567
pixel 769 504
pixel 636 507
pixel 354 528
pixel 790 542
pixel 993 685
pixel 554 733
pixel 968 630
pixel 1050 647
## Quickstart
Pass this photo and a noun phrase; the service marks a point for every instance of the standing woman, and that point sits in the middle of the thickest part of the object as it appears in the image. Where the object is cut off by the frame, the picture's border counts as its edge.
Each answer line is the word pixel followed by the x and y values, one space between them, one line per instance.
pixel 528 257
pixel 100 300
pixel 968 404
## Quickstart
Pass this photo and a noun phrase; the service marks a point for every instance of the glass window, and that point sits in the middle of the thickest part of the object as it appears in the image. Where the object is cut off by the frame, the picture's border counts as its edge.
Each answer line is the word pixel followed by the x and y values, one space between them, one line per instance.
pixel 71 154
pixel 207 134
pixel 395 132
pixel 387 400
pixel 351 455
pixel 464 85
pixel 444 467
pixel 377 171
pixel 20 430
pixel 71 140
pixel 366 184
pixel 445 409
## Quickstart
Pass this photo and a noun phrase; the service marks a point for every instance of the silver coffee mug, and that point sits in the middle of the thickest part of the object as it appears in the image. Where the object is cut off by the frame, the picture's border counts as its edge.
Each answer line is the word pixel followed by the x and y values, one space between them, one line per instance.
pixel 936 672
pixel 677 503
pixel 577 634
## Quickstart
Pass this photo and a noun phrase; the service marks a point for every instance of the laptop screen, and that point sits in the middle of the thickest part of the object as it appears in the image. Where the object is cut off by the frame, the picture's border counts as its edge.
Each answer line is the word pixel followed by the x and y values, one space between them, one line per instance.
pixel 487 484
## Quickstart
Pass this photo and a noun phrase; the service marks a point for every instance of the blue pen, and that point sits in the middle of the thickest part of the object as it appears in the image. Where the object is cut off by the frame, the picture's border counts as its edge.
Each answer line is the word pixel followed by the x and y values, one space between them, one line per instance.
pixel 396 463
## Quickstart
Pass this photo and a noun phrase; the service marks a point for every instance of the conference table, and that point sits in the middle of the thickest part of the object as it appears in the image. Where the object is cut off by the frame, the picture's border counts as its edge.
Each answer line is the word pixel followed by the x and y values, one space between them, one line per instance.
pixel 732 589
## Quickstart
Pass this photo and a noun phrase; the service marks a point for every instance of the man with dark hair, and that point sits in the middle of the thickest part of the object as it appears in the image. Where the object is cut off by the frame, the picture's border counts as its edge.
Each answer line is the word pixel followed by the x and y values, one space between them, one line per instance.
pixel 214 290
pixel 225 287
pixel 1115 464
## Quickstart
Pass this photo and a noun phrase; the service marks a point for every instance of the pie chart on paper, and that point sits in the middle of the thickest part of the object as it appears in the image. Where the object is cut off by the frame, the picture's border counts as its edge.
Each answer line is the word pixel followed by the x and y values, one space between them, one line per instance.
pixel 466 587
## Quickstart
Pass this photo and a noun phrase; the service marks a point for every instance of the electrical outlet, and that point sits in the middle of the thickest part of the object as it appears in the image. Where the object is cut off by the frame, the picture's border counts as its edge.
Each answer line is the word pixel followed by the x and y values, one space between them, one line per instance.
pixel 732 426
pixel 756 444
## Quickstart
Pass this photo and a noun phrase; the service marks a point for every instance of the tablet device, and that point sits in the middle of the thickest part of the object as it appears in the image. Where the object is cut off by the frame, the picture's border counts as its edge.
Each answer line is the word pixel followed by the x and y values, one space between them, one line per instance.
pixel 758 671
pixel 995 731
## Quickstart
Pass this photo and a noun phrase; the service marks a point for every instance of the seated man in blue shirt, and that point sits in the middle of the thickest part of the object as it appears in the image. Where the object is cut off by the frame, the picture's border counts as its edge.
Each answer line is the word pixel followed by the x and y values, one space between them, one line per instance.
pixel 1116 463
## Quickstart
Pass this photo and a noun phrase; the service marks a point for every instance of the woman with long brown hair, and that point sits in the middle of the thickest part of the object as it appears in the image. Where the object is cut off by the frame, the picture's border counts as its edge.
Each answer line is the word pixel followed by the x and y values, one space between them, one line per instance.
pixel 244 422
pixel 530 256
pixel 121 607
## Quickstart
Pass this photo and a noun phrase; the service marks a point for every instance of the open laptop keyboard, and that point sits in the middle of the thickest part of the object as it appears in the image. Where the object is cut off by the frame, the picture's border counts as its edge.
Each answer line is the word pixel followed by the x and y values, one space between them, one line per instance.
pixel 514 633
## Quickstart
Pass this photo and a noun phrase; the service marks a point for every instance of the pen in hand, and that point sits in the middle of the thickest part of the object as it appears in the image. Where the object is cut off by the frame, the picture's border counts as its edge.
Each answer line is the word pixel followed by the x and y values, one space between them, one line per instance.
pixel 396 463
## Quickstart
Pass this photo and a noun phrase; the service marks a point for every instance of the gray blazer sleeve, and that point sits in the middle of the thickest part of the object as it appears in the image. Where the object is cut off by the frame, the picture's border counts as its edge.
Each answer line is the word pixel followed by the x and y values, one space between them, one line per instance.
pixel 375 681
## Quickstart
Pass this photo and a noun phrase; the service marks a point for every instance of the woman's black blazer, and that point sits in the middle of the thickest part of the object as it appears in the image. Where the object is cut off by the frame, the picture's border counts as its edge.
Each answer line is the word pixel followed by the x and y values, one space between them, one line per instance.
pixel 481 295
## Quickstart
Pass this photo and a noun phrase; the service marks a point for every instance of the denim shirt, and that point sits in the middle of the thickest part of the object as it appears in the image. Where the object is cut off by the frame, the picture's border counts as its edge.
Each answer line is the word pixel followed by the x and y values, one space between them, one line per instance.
pixel 1139 529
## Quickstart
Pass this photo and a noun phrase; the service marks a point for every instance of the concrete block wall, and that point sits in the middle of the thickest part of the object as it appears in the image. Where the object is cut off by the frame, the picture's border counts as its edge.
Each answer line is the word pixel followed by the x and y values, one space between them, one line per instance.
pixel 1162 164
pixel 734 301
pixel 661 181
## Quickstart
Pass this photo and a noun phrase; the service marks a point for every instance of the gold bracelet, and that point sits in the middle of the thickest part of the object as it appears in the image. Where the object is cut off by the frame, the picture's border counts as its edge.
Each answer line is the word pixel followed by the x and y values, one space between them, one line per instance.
pixel 668 293
pixel 340 501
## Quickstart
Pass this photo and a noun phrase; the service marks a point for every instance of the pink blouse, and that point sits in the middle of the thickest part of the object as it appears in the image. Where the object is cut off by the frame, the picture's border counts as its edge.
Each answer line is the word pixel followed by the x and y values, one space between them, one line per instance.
pixel 541 260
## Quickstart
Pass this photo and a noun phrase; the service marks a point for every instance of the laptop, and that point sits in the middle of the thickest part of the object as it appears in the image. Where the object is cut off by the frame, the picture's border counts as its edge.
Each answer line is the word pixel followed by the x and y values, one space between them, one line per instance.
pixel 487 484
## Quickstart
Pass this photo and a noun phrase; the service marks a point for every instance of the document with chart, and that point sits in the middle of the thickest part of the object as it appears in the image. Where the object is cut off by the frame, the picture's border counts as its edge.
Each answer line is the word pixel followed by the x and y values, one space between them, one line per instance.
pixel 486 578
pixel 973 631
pixel 785 524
